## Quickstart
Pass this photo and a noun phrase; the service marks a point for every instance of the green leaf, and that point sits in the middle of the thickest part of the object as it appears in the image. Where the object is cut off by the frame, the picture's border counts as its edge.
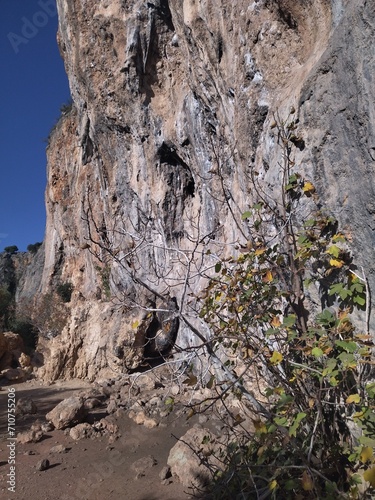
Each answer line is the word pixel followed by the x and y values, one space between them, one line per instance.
pixel 331 365
pixel 356 479
pixel 246 215
pixel 310 223
pixel 367 441
pixel 334 250
pixel 347 346
pixel 326 317
pixel 285 400
pixel 361 301
pixel 344 294
pixel 217 267
pixel 317 352
pixel 339 289
pixel 293 428
pixel 293 179
pixel 290 485
pixel 333 289
pixel 339 238
pixel 307 282
pixel 289 321
pixel 333 380
pixel 357 287
pixel 282 421
pixel 348 360
pixel 370 389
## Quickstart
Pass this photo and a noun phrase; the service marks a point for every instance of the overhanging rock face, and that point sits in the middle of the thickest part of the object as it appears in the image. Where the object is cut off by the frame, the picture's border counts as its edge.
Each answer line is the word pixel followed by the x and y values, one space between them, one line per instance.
pixel 172 109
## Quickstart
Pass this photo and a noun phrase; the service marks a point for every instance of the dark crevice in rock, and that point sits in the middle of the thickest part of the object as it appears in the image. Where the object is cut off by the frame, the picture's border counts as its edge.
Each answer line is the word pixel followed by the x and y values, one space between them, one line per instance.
pixel 220 48
pixel 60 254
pixel 87 144
pixel 259 117
pixel 163 11
pixel 167 154
pixel 283 12
pixel 180 186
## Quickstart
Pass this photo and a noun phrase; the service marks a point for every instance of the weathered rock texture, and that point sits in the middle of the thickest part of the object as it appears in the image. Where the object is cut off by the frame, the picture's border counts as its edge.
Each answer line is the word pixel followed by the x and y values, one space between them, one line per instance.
pixel 173 102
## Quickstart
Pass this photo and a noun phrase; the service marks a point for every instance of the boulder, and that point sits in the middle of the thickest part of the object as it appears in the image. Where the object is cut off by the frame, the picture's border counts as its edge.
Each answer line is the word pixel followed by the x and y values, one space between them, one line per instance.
pixel 6 360
pixel 185 463
pixel 3 344
pixel 13 374
pixel 68 413
pixel 14 341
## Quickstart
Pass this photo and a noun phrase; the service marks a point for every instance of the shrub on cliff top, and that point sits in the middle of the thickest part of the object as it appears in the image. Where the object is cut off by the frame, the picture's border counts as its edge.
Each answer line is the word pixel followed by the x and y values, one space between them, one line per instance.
pixel 11 249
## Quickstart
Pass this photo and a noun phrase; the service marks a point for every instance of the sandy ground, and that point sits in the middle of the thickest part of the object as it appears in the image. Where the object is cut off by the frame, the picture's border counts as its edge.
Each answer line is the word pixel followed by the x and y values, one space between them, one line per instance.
pixel 91 469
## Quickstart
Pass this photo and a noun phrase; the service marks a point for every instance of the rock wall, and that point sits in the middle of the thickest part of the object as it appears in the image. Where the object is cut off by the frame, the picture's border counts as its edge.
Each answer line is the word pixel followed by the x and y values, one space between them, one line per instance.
pixel 173 102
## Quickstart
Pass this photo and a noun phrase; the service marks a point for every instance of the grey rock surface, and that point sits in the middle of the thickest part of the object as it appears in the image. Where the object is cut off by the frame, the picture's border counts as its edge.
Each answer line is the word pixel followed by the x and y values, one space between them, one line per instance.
pixel 172 106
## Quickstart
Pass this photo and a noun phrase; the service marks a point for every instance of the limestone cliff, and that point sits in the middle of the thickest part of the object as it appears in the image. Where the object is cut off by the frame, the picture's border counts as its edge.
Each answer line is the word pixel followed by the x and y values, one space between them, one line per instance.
pixel 173 101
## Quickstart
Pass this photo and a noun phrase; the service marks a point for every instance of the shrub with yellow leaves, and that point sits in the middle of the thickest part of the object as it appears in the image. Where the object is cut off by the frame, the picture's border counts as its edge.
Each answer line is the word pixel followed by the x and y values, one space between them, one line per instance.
pixel 312 361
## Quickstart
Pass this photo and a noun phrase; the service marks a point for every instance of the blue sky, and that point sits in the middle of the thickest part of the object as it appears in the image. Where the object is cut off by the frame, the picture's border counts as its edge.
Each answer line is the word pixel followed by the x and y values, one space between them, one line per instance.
pixel 33 86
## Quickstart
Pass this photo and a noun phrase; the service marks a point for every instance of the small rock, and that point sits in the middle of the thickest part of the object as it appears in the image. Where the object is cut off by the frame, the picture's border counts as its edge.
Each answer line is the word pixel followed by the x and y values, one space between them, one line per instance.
pixel 36 426
pixel 109 427
pixel 155 401
pixel 165 473
pixel 150 423
pixel 24 360
pixel 26 406
pixel 175 390
pixel 47 426
pixel 81 431
pixel 31 436
pixel 92 403
pixel 112 406
pixel 202 419
pixel 42 464
pixel 143 464
pixel 146 382
pixel 141 419
pixel 59 448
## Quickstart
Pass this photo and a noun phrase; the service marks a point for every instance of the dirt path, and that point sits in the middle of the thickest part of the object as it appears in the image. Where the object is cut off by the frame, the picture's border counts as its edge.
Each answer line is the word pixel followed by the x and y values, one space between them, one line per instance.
pixel 89 469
